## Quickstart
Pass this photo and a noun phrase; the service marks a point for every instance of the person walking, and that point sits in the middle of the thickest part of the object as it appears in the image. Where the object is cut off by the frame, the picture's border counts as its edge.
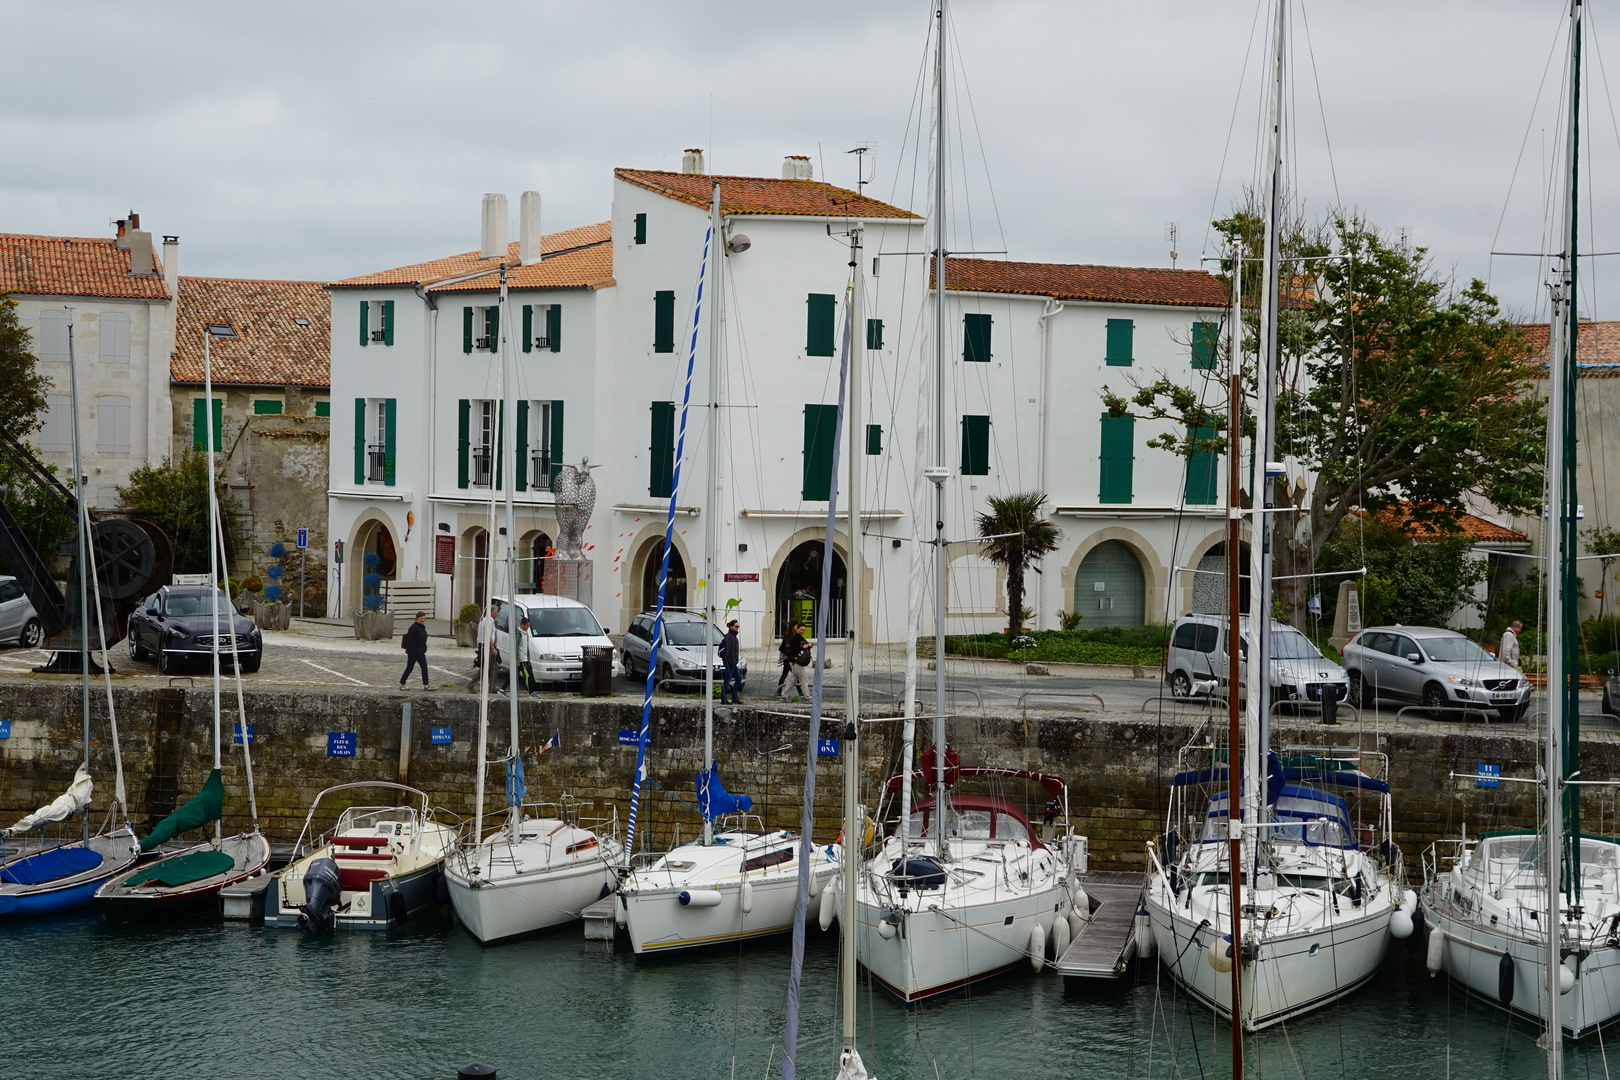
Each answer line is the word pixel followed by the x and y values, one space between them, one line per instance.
pixel 796 656
pixel 415 645
pixel 1508 651
pixel 730 653
pixel 522 656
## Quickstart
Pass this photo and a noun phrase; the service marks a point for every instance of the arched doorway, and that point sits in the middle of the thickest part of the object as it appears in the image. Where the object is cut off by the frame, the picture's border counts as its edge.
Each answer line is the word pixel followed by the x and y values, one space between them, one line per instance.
pixel 475 542
pixel 532 562
pixel 674 588
pixel 798 585
pixel 1109 587
pixel 378 563
pixel 1209 584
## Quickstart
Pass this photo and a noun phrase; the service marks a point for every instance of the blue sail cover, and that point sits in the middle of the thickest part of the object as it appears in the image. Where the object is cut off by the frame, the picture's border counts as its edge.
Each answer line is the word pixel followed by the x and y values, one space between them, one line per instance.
pixel 49 865
pixel 715 801
pixel 515 787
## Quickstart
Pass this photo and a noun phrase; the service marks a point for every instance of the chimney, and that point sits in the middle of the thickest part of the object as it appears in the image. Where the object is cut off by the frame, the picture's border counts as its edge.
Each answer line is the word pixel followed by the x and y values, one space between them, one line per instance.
pixel 797 167
pixel 495 223
pixel 122 243
pixel 134 220
pixel 171 264
pixel 529 228
pixel 140 253
pixel 692 161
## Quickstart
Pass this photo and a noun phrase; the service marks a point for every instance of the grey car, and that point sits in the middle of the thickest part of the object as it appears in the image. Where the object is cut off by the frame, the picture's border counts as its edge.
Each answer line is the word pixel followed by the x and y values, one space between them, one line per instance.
pixel 681 655
pixel 18 620
pixel 1432 667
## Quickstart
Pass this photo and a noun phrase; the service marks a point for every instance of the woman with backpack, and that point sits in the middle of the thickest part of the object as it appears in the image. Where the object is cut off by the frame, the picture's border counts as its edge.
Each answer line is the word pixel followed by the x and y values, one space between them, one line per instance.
pixel 796 657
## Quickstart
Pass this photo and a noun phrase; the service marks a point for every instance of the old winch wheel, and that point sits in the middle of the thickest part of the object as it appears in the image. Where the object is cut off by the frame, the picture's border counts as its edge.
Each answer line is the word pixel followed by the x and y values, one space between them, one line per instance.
pixel 125 558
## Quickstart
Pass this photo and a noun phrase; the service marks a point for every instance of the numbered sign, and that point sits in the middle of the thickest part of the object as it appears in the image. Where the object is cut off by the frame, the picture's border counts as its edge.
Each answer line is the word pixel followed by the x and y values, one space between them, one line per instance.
pixel 303 538
pixel 826 747
pixel 5 729
pixel 1488 775
pixel 236 735
pixel 441 736
pixel 629 737
pixel 340 744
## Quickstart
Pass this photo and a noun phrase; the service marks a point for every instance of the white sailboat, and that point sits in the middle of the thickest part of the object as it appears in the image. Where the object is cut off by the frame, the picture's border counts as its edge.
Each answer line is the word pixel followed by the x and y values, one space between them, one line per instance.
pixel 1508 909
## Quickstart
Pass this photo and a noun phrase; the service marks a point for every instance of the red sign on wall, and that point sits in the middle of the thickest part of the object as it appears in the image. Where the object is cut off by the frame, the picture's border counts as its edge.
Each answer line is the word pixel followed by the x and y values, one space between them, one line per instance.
pixel 444 555
pixel 742 577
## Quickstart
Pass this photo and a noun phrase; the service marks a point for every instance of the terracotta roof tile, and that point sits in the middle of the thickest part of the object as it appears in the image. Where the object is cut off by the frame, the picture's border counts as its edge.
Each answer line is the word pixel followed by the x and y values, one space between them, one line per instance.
pixel 1070 281
pixel 74 266
pixel 762 195
pixel 1597 349
pixel 587 267
pixel 1399 515
pixel 468 262
pixel 271 348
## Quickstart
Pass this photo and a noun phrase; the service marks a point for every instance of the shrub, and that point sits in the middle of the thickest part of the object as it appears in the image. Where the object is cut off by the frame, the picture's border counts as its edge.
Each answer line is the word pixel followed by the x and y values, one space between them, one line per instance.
pixel 1070 620
pixel 468 615
pixel 252 585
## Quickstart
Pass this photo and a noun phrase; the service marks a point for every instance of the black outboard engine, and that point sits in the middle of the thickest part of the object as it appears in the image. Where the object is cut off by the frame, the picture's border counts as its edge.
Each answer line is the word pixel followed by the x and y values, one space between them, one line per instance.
pixel 322 885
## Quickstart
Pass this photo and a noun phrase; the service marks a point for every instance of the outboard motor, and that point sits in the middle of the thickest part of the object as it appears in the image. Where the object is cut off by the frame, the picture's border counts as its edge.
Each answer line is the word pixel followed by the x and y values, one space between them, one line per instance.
pixel 322 885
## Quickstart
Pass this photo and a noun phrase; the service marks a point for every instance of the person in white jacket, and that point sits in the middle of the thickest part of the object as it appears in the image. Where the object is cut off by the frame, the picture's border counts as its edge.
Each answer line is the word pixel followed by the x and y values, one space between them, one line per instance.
pixel 1508 651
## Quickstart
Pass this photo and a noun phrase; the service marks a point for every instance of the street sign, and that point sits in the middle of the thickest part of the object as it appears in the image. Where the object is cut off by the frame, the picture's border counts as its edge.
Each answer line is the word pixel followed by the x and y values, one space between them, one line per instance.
pixel 236 735
pixel 5 729
pixel 629 736
pixel 742 577
pixel 441 736
pixel 340 744
pixel 444 555
pixel 1488 776
pixel 337 552
pixel 303 538
pixel 826 747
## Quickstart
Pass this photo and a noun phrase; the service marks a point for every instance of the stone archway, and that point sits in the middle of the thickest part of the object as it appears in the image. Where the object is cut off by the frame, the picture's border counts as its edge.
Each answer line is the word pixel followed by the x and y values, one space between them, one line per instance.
pixel 532 553
pixel 1155 576
pixel 1204 592
pixel 473 567
pixel 798 589
pixel 373 536
pixel 652 569
pixel 1110 587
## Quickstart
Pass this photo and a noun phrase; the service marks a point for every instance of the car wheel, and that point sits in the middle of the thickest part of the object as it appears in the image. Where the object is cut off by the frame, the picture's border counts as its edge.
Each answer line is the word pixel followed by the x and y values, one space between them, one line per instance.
pixel 1355 696
pixel 32 634
pixel 249 662
pixel 167 662
pixel 1180 685
pixel 135 650
pixel 629 667
pixel 665 673
pixel 1434 697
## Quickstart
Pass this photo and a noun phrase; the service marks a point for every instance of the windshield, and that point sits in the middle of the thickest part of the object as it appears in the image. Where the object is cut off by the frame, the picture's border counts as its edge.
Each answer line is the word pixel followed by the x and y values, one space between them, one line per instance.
pixel 563 622
pixel 1455 650
pixel 690 633
pixel 1292 645
pixel 183 604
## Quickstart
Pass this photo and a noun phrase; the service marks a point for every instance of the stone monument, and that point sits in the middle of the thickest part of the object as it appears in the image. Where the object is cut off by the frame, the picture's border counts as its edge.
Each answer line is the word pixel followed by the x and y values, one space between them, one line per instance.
pixel 1347 619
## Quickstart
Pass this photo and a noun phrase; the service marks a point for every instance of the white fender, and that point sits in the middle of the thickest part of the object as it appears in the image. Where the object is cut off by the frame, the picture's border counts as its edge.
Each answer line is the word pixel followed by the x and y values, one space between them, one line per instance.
pixel 747 896
pixel 1082 902
pixel 829 905
pixel 1409 901
pixel 1076 924
pixel 1146 946
pixel 621 917
pixel 816 885
pixel 886 929
pixel 699 898
pixel 1400 925
pixel 1437 951
pixel 1037 947
pixel 1060 937
pixel 1566 978
pixel 1220 955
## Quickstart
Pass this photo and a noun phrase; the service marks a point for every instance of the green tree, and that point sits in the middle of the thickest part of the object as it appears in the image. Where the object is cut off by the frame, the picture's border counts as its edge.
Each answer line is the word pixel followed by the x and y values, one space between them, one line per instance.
pixel 1015 534
pixel 22 399
pixel 1603 541
pixel 1416 584
pixel 174 497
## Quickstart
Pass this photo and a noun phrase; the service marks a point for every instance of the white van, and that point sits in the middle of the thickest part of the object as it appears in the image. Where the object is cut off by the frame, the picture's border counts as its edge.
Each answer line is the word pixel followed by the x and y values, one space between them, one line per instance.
pixel 558 629
pixel 1196 661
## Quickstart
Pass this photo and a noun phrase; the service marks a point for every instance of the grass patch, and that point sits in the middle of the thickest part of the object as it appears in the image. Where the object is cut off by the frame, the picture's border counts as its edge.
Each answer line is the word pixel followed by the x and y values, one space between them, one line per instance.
pixel 1111 645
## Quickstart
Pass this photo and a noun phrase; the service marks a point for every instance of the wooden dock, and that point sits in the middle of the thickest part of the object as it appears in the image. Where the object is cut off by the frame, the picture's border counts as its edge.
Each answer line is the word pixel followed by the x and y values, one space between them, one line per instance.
pixel 601 922
pixel 1106 945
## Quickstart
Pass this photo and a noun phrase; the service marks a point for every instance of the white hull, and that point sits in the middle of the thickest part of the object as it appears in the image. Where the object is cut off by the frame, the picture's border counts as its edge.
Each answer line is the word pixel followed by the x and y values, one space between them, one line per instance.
pixel 504 890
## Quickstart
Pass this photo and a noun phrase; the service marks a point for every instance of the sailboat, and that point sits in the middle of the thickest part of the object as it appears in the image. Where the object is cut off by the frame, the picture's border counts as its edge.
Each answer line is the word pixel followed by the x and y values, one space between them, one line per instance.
pixel 189 881
pixel 532 872
pixel 736 881
pixel 1509 908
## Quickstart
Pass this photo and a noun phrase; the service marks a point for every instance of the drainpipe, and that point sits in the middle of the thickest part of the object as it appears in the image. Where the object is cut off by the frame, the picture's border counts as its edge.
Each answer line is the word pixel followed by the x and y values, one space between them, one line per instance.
pixel 430 355
pixel 1053 306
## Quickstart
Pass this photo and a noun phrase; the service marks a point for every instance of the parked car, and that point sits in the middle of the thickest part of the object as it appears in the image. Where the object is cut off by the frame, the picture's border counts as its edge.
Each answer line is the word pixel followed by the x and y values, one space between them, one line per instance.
pixel 682 653
pixel 1611 694
pixel 1433 667
pixel 1196 661
pixel 559 629
pixel 18 620
pixel 176 624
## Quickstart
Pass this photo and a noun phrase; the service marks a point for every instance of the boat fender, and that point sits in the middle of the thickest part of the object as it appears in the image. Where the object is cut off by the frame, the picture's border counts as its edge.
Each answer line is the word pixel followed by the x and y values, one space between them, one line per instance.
pixel 829 905
pixel 1504 980
pixel 1419 932
pixel 1037 947
pixel 621 911
pixel 398 907
pixel 887 929
pixel 1060 937
pixel 1566 978
pixel 1400 925
pixel 1220 954
pixel 1077 925
pixel 607 890
pixel 1437 951
pixel 700 898
pixel 1409 901
pixel 1145 945
pixel 815 886
pixel 441 891
pixel 747 899
pixel 1082 902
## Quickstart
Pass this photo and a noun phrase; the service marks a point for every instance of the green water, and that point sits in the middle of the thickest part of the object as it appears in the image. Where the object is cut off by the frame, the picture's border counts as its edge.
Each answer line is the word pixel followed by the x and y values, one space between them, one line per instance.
pixel 83 998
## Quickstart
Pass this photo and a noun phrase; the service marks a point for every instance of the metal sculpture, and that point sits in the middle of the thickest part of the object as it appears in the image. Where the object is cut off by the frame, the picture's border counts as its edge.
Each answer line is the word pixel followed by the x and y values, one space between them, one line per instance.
pixel 575 493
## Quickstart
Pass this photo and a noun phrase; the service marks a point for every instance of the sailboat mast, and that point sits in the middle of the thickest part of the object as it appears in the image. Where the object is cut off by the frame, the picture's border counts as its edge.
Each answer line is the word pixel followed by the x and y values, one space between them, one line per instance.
pixel 213 551
pixel 941 469
pixel 1234 529
pixel 84 562
pixel 850 748
pixel 508 409
pixel 711 503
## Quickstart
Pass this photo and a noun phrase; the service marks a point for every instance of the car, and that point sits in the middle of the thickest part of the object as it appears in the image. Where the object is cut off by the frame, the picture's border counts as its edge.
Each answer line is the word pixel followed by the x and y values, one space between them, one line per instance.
pixel 1611 694
pixel 1196 661
pixel 680 656
pixel 560 629
pixel 176 624
pixel 19 621
pixel 1433 667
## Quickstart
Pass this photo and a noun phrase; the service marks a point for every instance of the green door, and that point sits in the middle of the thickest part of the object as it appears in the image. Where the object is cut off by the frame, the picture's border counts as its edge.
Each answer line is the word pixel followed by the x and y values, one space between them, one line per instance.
pixel 1109 589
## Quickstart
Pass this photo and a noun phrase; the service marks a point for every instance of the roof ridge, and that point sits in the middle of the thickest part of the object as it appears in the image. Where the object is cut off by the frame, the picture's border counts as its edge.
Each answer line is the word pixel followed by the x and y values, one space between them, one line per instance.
pixel 44 236
pixel 252 281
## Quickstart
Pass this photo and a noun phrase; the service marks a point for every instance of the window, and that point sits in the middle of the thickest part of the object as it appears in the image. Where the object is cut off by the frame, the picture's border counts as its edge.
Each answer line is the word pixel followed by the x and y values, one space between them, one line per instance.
pixel 975 446
pixel 1203 345
pixel 53 335
pixel 1117 456
pixel 323 408
pixel 874 439
pixel 112 424
pixel 820 432
pixel 114 338
pixel 641 228
pixel 57 434
pixel 1202 469
pixel 1120 333
pixel 664 321
pixel 819 334
pixel 199 425
pixel 480 329
pixel 542 327
pixel 376 322
pixel 484 440
pixel 976 339
pixel 874 333
pixel 540 443
pixel 661 473
pixel 266 408
pixel 374 424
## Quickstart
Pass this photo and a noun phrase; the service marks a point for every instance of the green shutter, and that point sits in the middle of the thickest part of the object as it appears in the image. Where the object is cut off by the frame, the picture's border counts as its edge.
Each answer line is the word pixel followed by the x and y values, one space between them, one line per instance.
pixel 874 333
pixel 365 322
pixel 661 479
pixel 359 440
pixel 874 439
pixel 976 339
pixel 664 321
pixel 463 439
pixel 556 439
pixel 1202 467
pixel 323 408
pixel 500 445
pixel 391 410
pixel 1203 345
pixel 975 446
pixel 199 429
pixel 521 481
pixel 819 319
pixel 1119 342
pixel 528 331
pixel 554 326
pixel 641 228
pixel 820 431
pixel 492 327
pixel 388 322
pixel 1118 443
pixel 466 329
pixel 267 408
pixel 219 425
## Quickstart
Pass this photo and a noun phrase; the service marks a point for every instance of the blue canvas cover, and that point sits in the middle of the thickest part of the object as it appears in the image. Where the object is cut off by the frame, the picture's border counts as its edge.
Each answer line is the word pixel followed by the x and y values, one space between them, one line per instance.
pixel 715 801
pixel 50 865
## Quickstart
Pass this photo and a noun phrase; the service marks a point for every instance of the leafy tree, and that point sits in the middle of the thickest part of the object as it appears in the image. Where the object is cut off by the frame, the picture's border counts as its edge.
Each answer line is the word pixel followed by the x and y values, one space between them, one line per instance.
pixel 1393 384
pixel 174 497
pixel 1415 584
pixel 1015 534
pixel 22 399
pixel 1603 540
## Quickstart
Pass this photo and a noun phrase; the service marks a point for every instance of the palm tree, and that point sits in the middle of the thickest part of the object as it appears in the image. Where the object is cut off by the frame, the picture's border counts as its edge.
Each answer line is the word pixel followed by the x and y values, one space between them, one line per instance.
pixel 1015 534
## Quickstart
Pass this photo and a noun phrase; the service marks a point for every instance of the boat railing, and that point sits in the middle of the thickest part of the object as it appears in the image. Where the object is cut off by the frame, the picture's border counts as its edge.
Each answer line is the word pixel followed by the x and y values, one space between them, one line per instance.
pixel 739 823
pixel 1441 856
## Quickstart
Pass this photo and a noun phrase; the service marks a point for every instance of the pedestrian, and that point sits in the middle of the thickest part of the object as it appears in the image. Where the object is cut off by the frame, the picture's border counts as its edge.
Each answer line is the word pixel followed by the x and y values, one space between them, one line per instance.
pixel 520 652
pixel 1508 651
pixel 730 653
pixel 796 657
pixel 415 645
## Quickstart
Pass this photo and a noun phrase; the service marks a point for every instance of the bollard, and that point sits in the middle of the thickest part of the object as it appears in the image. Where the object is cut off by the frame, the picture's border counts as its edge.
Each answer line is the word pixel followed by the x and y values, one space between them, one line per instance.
pixel 483 1072
pixel 1330 704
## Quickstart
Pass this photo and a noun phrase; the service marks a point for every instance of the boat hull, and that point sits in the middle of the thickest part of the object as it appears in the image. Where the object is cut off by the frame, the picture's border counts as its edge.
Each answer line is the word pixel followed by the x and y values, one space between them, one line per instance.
pixel 251 852
pixel 75 891
pixel 659 923
pixel 388 902
pixel 495 910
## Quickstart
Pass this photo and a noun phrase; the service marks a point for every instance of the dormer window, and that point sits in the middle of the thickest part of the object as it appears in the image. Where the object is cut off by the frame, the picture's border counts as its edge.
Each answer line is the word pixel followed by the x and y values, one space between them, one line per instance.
pixel 220 330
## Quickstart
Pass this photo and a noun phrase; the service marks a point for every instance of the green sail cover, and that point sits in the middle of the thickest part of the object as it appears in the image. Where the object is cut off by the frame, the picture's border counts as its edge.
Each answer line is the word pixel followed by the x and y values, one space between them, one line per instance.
pixel 206 806
pixel 179 870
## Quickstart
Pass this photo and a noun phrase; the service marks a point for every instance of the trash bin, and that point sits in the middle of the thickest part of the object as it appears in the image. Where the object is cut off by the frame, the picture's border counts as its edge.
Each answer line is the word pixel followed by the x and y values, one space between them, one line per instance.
pixel 596 670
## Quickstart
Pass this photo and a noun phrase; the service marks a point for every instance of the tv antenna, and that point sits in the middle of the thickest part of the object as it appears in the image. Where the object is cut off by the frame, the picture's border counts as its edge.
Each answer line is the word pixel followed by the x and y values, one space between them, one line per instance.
pixel 1172 236
pixel 860 165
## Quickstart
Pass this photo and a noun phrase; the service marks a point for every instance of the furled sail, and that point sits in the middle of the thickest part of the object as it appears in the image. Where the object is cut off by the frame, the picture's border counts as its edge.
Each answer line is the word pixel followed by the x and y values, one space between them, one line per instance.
pixel 206 806
pixel 64 806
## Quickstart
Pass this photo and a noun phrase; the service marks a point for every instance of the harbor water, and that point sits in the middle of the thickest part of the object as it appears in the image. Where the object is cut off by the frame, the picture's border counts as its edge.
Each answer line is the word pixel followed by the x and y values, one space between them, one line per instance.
pixel 88 998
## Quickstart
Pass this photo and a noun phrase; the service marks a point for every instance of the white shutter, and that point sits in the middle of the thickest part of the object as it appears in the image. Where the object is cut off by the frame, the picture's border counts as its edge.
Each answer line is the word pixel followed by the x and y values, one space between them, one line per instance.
pixel 115 338
pixel 53 336
pixel 112 425
pixel 57 434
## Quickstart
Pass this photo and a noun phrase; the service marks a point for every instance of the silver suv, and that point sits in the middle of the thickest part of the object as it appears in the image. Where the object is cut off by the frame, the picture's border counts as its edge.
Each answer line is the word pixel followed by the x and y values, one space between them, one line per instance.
pixel 681 656
pixel 1434 667
pixel 1196 661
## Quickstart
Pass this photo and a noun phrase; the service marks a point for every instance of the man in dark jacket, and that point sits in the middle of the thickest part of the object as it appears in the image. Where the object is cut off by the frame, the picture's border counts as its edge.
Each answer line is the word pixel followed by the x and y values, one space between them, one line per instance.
pixel 795 652
pixel 415 645
pixel 730 653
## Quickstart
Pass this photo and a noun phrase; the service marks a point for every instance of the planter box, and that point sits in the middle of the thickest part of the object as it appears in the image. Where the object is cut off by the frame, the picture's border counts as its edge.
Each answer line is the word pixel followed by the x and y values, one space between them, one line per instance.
pixel 373 625
pixel 467 635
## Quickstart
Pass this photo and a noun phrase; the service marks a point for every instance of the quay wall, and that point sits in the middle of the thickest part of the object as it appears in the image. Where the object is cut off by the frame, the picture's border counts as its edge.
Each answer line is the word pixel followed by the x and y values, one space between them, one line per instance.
pixel 1118 766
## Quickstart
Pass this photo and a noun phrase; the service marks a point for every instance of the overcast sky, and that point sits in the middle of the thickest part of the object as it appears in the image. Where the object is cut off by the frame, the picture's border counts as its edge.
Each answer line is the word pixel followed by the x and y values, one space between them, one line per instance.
pixel 321 140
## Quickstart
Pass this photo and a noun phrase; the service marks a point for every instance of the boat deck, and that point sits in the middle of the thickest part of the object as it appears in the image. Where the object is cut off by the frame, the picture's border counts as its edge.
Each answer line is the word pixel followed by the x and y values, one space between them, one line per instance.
pixel 1104 948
